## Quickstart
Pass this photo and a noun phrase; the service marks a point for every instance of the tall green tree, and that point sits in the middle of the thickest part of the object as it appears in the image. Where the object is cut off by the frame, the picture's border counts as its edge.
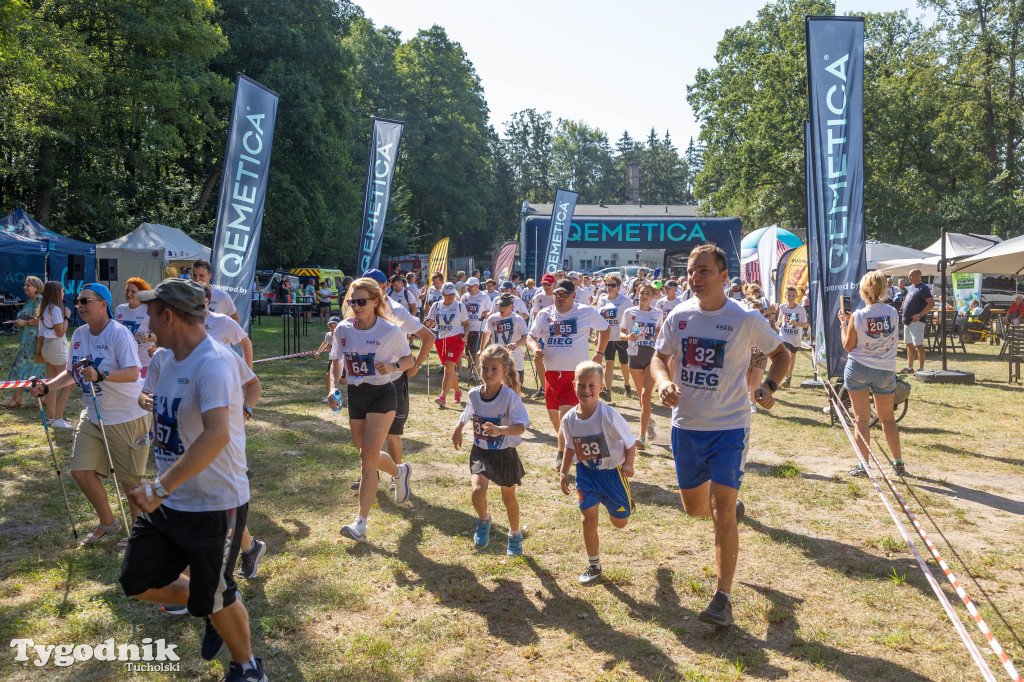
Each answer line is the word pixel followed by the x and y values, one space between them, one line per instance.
pixel 581 160
pixel 526 148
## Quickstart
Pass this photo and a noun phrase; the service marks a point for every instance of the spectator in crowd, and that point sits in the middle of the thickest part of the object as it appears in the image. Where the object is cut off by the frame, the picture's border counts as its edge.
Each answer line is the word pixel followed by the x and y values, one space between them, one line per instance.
pixel 736 291
pixel 52 348
pixel 323 298
pixel 25 365
pixel 1016 311
pixel 916 304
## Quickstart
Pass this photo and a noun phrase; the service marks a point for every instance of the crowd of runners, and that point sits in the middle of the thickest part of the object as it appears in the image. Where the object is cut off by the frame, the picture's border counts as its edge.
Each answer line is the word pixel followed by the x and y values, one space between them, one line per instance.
pixel 159 370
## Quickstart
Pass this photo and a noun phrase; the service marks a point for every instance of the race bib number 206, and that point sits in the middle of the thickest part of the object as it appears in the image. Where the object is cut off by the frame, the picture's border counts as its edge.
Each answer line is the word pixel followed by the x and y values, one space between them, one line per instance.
pixel 704 353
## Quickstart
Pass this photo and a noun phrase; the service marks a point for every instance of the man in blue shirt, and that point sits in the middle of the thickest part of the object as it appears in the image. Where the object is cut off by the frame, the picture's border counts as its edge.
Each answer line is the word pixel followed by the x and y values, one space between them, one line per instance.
pixel 916 304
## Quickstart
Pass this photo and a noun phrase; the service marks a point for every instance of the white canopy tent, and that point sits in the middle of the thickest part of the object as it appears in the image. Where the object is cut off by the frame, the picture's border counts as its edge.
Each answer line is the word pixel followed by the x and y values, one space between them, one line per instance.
pixel 1005 258
pixel 929 267
pixel 960 244
pixel 147 252
pixel 880 251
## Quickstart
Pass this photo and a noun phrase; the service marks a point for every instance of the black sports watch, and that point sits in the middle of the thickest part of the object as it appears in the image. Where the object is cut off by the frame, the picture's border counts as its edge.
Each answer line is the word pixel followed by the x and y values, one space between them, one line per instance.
pixel 772 386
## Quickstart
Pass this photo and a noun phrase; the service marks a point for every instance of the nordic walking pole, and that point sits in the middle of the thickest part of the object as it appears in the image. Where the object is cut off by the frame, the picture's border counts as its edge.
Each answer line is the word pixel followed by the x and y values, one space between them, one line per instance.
pixel 106 448
pixel 53 455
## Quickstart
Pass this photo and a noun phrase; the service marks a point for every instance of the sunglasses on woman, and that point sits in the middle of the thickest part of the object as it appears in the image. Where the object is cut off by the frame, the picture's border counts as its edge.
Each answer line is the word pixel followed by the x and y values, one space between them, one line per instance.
pixel 359 302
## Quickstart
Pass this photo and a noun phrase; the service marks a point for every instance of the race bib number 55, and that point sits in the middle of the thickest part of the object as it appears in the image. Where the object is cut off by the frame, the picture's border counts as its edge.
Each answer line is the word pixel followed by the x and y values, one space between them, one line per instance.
pixel 704 353
pixel 359 365
pixel 563 328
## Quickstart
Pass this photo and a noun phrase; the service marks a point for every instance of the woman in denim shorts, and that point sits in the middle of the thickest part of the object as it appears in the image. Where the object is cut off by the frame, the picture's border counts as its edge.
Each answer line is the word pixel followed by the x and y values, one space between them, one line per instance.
pixel 870 337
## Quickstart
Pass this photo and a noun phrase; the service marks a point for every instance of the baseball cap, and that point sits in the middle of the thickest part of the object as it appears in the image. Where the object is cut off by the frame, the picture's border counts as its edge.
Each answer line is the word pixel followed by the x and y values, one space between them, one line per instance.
pixel 185 295
pixel 547 279
pixel 736 281
pixel 376 275
pixel 574 275
pixel 672 283
pixel 507 285
pixel 505 300
pixel 448 288
pixel 566 286
pixel 657 284
pixel 473 282
pixel 103 292
pixel 334 320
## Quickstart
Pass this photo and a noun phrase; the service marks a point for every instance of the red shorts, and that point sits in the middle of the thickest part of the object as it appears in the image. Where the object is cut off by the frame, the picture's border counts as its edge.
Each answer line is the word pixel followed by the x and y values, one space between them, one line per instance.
pixel 560 389
pixel 450 349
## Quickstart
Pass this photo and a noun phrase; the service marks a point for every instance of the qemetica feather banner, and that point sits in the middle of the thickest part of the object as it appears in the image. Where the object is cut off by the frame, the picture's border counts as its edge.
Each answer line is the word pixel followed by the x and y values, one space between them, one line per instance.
pixel 835 80
pixel 503 261
pixel 243 189
pixel 561 220
pixel 438 260
pixel 380 172
pixel 814 241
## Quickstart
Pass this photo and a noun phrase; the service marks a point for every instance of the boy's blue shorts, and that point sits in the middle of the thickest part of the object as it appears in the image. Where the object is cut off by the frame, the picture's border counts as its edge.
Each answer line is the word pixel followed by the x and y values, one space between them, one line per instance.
pixel 606 486
pixel 718 456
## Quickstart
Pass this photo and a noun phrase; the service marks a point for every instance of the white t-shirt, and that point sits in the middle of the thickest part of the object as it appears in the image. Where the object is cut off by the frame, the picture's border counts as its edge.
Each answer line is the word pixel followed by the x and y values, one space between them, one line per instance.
pixel 448 319
pixel 565 336
pixel 224 329
pixel 221 302
pixel 528 293
pixel 493 294
pixel 792 334
pixel 506 330
pixel 112 349
pixel 477 308
pixel 182 391
pixel 323 295
pixel 137 322
pixel 584 294
pixel 712 353
pixel 518 307
pixel 406 321
pixel 601 441
pixel 645 323
pixel 403 298
pixel 433 295
pixel 541 301
pixel 666 306
pixel 414 290
pixel 360 349
pixel 877 329
pixel 504 409
pixel 53 316
pixel 611 309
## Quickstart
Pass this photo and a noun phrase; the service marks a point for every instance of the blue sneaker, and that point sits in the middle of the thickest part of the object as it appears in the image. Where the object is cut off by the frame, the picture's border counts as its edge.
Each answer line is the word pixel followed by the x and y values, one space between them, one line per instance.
pixel 515 545
pixel 236 674
pixel 213 644
pixel 482 536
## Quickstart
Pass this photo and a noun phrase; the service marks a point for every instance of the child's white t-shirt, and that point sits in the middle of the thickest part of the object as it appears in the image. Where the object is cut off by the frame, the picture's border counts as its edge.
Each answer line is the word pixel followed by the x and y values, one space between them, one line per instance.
pixel 601 441
pixel 504 409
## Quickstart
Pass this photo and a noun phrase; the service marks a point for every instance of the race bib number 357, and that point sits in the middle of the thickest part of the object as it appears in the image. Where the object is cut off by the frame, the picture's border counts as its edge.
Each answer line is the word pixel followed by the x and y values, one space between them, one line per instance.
pixel 704 353
pixel 359 365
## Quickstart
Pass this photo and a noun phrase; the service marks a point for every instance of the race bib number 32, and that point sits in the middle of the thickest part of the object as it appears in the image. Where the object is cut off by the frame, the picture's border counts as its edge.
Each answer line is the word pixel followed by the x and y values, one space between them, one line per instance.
pixel 359 365
pixel 704 353
pixel 481 436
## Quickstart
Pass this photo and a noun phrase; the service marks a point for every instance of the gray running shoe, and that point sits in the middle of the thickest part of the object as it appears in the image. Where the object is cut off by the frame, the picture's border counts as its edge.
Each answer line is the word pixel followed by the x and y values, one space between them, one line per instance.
pixel 591 575
pixel 250 565
pixel 718 612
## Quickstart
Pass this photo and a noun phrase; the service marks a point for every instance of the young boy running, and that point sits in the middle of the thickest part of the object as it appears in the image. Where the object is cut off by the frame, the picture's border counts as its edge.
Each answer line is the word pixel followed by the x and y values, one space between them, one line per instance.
pixel 709 341
pixel 601 443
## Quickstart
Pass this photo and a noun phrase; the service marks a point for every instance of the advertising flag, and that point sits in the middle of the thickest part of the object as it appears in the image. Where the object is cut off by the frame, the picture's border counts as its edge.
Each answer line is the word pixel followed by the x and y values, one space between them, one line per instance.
pixel 503 261
pixel 561 221
pixel 380 172
pixel 439 259
pixel 835 83
pixel 966 288
pixel 243 189
pixel 792 271
pixel 768 260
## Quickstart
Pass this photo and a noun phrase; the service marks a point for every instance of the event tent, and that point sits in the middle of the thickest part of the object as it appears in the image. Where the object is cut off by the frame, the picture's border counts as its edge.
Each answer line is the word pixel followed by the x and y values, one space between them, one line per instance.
pixel 960 244
pixel 146 252
pixel 19 258
pixel 879 251
pixel 61 253
pixel 1001 259
pixel 929 267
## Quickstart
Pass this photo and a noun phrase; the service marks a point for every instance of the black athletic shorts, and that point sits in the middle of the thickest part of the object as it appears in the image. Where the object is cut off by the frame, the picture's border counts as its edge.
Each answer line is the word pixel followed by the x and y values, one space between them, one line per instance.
pixel 366 398
pixel 503 467
pixel 642 359
pixel 473 344
pixel 616 348
pixel 163 543
pixel 401 385
pixel 790 347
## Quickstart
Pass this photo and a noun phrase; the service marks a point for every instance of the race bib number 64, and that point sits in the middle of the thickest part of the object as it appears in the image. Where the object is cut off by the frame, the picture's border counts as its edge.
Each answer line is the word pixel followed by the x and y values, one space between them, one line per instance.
pixel 704 353
pixel 359 365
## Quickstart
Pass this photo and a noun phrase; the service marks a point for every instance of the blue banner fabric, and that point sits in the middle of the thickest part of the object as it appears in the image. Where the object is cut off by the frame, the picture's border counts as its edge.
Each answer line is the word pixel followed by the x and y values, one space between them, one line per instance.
pixel 835 83
pixel 243 189
pixel 380 172
pixel 561 219
pixel 671 234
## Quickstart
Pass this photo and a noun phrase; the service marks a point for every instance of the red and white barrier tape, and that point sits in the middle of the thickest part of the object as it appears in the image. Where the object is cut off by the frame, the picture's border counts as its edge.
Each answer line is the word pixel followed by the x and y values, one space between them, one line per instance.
pixel 993 643
pixel 21 383
pixel 283 357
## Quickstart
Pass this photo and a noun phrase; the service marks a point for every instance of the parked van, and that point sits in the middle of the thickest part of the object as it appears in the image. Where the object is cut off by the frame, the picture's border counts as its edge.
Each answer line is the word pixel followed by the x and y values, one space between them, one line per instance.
pixel 330 276
pixel 268 281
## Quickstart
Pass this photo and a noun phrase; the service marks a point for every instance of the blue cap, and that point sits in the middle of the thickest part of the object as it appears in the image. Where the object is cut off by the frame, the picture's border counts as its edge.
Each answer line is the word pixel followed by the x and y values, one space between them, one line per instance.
pixel 507 285
pixel 376 275
pixel 104 293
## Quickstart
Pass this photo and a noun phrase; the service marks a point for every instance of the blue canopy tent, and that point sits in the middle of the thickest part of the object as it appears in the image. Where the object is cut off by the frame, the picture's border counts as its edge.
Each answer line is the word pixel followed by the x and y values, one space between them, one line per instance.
pixel 19 258
pixel 71 262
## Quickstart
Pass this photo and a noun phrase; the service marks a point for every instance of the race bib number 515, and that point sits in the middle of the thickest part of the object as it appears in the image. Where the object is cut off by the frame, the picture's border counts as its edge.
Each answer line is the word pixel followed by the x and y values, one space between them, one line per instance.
pixel 704 353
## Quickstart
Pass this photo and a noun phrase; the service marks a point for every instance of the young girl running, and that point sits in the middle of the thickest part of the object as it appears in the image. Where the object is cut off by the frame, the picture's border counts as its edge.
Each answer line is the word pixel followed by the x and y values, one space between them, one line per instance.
pixel 640 326
pixel 499 419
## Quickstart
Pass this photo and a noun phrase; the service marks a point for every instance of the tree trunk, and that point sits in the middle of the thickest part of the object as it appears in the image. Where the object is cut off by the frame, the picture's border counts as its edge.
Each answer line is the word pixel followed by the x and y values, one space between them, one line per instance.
pixel 1011 127
pixel 44 179
pixel 211 181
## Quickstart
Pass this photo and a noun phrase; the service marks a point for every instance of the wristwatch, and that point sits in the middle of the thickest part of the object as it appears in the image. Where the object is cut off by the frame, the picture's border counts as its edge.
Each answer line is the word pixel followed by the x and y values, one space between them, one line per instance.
pixel 772 386
pixel 159 490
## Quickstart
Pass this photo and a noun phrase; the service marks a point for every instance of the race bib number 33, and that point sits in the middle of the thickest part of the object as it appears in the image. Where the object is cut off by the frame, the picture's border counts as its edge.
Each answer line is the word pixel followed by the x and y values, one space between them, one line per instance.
pixel 359 365
pixel 590 449
pixel 704 353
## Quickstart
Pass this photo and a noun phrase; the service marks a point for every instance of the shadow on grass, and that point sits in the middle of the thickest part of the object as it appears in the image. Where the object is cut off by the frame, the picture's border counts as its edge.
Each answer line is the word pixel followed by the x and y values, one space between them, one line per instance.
pixel 960 451
pixel 977 496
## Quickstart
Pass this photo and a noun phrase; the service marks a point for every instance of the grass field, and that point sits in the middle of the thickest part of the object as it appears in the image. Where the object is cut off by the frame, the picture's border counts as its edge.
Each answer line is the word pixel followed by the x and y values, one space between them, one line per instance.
pixel 825 588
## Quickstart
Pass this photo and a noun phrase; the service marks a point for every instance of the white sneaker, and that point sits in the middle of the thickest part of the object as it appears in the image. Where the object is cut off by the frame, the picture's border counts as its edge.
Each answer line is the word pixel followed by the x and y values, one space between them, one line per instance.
pixel 402 483
pixel 651 433
pixel 324 400
pixel 61 424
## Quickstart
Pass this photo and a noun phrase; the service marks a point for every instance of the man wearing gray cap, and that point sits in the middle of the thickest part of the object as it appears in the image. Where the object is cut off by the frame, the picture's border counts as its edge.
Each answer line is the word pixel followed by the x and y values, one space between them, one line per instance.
pixel 194 512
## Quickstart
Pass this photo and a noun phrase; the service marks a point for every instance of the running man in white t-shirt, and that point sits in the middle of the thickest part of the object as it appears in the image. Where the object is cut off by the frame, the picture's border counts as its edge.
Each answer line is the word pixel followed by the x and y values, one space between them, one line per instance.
pixel 226 330
pixel 508 330
pixel 709 341
pixel 220 301
pixel 449 322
